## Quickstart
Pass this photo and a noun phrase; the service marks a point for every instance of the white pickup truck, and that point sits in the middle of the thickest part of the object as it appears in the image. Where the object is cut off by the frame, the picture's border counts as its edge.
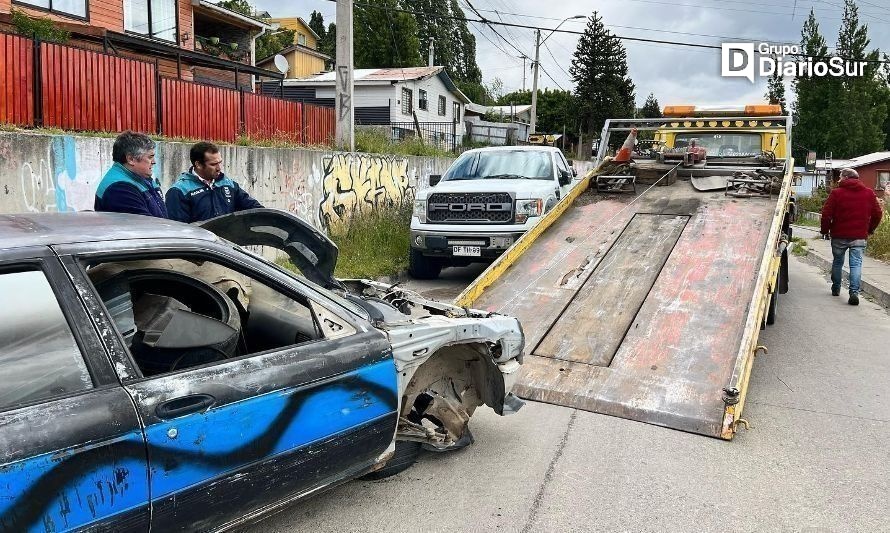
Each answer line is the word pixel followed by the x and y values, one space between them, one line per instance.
pixel 482 204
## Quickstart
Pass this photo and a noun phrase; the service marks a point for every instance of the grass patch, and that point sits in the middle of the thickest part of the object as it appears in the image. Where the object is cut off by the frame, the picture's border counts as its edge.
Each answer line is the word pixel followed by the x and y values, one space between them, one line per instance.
pixel 373 141
pixel 801 221
pixel 374 244
pixel 799 246
pixel 879 242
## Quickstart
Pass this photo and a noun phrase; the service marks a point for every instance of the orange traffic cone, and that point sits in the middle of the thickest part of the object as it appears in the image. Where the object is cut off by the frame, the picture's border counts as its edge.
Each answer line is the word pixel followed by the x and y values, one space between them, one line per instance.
pixel 623 155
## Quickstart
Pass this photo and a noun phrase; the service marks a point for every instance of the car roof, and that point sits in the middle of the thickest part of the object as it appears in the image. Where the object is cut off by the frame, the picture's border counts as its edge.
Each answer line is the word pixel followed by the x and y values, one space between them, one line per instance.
pixel 523 148
pixel 44 229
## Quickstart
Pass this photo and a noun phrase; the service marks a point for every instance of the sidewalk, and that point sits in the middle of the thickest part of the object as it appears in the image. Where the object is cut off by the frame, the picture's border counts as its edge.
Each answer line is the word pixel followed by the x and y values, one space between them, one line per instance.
pixel 875 274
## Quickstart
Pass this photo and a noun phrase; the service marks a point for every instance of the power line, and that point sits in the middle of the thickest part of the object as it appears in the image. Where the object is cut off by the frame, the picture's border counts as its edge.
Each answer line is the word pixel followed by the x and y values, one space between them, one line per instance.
pixel 491 23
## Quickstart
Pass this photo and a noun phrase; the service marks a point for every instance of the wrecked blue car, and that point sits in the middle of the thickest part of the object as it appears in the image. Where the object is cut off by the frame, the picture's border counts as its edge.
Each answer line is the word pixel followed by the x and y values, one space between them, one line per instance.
pixel 162 376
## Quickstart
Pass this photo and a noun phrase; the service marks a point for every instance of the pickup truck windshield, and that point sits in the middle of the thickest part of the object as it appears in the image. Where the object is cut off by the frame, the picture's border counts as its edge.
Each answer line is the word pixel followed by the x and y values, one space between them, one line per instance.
pixel 502 164
pixel 723 144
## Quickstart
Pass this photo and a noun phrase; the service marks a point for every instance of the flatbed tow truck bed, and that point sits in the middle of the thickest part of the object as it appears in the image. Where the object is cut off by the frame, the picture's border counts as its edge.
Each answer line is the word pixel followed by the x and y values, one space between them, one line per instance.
pixel 644 306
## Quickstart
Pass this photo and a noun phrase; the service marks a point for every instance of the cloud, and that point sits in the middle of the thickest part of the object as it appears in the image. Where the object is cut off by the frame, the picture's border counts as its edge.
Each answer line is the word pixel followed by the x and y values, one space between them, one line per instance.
pixel 675 74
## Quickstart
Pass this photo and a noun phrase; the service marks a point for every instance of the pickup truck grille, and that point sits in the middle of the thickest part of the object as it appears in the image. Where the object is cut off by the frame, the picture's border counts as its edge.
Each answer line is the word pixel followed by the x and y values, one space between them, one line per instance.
pixel 470 208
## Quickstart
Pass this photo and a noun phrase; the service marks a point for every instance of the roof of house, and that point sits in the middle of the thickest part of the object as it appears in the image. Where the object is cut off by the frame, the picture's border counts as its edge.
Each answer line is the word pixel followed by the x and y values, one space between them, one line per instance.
pixel 231 14
pixel 279 20
pixel 854 162
pixel 384 76
pixel 298 48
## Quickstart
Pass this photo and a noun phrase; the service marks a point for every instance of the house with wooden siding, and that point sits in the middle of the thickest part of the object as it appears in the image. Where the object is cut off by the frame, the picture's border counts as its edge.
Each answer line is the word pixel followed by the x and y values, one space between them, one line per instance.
pixel 193 40
pixel 385 96
pixel 303 58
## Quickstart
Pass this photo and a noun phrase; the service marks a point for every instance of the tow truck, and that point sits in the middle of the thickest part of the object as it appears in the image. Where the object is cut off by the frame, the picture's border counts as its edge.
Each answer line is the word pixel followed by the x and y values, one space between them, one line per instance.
pixel 643 292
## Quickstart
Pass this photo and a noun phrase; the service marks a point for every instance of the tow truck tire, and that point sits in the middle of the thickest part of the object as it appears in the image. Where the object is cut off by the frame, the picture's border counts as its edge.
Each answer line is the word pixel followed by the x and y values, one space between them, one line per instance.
pixel 405 455
pixel 773 308
pixel 423 267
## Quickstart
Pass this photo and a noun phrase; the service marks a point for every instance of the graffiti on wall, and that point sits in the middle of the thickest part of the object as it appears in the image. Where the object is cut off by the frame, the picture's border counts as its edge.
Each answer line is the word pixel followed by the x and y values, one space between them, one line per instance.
pixel 64 181
pixel 357 183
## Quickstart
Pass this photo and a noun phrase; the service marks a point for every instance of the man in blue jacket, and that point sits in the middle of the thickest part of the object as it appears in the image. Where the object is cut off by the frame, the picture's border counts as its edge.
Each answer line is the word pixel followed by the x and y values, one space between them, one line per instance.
pixel 204 192
pixel 128 186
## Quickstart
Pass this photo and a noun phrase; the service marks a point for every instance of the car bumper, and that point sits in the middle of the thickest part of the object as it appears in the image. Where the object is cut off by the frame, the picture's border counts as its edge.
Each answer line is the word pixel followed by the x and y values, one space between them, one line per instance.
pixel 439 244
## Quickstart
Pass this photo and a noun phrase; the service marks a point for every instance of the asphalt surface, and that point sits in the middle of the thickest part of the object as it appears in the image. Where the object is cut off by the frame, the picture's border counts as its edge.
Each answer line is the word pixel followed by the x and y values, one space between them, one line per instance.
pixel 815 459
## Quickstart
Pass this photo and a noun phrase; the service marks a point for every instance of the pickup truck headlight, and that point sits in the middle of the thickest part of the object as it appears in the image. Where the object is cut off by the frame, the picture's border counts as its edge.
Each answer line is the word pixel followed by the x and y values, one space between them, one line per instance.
pixel 420 210
pixel 528 208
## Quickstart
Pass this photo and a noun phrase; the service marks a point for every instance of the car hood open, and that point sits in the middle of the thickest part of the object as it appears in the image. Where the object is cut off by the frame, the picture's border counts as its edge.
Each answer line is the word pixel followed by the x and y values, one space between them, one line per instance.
pixel 310 250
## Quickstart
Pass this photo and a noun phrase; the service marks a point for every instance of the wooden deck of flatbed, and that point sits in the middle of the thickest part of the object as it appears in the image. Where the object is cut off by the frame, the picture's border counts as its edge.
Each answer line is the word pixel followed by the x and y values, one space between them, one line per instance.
pixel 638 306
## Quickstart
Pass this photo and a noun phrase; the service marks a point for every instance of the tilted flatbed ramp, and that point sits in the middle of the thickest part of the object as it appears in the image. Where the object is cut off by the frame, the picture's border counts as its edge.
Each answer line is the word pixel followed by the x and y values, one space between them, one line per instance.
pixel 645 307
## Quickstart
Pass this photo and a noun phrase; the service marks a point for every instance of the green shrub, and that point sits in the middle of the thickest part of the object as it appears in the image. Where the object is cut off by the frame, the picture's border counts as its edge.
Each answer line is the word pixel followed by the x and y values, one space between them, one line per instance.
pixel 374 244
pixel 38 28
pixel 879 242
pixel 814 202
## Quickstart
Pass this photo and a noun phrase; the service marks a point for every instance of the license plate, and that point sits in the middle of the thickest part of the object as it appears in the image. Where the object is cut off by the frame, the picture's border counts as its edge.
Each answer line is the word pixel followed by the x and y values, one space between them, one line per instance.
pixel 472 251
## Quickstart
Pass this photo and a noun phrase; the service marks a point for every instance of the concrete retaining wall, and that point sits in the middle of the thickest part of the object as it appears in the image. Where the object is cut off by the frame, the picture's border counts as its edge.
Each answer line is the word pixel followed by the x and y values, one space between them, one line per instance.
pixel 48 173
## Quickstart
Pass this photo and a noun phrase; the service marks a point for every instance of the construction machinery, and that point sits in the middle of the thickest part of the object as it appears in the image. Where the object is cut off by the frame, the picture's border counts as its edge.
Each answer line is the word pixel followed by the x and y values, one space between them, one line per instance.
pixel 642 293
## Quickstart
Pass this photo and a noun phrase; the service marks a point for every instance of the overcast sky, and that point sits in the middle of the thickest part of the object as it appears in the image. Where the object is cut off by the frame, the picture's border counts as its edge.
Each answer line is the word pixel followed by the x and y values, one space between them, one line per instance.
pixel 676 74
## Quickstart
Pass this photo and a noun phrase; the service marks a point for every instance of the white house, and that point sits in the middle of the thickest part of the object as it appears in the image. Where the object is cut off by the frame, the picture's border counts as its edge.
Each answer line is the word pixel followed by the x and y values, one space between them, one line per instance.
pixel 391 96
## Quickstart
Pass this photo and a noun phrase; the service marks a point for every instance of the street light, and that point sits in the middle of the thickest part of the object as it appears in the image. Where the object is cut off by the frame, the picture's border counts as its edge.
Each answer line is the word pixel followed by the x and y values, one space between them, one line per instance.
pixel 538 43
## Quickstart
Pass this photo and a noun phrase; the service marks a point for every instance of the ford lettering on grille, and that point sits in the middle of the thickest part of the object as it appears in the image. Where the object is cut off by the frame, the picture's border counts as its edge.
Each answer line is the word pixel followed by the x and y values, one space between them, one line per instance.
pixel 485 208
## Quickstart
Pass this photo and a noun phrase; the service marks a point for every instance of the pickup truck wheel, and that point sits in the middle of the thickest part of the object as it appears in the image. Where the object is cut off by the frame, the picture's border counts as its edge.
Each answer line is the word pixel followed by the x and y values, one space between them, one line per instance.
pixel 423 267
pixel 405 455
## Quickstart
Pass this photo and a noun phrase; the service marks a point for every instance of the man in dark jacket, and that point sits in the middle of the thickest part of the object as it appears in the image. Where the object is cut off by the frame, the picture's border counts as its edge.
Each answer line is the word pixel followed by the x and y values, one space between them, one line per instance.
pixel 849 216
pixel 204 192
pixel 128 187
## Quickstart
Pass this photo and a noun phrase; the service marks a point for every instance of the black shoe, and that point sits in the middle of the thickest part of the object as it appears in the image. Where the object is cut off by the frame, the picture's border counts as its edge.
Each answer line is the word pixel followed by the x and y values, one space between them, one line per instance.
pixel 854 299
pixel 835 292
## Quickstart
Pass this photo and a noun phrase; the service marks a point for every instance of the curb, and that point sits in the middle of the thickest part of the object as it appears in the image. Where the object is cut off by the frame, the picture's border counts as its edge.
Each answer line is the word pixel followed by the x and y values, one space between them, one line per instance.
pixel 879 296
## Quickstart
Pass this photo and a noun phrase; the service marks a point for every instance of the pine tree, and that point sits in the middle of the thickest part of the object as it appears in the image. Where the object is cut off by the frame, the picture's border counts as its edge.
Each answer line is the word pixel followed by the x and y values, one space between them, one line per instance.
pixel 775 92
pixel 813 96
pixel 328 43
pixel 384 37
pixel 599 69
pixel 651 109
pixel 316 24
pixel 454 44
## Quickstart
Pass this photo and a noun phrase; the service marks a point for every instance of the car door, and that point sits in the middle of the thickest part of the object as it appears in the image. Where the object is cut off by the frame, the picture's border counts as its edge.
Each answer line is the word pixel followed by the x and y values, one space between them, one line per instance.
pixel 562 167
pixel 230 439
pixel 72 454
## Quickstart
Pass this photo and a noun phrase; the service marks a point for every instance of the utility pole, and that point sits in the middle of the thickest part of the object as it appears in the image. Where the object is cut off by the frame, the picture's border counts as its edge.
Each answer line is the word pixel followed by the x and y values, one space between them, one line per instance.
pixel 345 135
pixel 432 53
pixel 531 127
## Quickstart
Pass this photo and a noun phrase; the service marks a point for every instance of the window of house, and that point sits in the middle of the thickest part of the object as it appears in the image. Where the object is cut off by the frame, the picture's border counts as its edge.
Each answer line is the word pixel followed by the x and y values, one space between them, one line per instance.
pixel 883 180
pixel 442 104
pixel 75 8
pixel 152 18
pixel 301 39
pixel 407 101
pixel 421 100
pixel 39 358
pixel 456 111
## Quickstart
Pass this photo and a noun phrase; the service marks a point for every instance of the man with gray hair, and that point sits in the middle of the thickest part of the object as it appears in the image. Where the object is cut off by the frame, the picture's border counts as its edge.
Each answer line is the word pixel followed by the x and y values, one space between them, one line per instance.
pixel 849 216
pixel 128 186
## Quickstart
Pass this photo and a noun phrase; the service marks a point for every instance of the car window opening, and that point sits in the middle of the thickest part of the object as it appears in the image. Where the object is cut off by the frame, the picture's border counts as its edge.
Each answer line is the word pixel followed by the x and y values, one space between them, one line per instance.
pixel 175 314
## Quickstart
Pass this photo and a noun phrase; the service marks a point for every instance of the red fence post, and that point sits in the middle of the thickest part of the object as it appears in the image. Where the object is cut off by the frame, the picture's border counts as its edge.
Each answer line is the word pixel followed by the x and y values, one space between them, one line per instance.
pixel 38 86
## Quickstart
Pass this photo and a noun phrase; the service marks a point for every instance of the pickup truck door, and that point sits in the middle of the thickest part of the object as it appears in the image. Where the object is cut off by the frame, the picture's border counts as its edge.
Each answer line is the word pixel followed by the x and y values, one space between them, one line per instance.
pixel 230 439
pixel 72 454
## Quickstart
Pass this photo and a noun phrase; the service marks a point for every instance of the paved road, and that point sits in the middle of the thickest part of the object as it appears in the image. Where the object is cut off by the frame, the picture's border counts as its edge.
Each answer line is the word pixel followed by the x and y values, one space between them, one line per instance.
pixel 816 458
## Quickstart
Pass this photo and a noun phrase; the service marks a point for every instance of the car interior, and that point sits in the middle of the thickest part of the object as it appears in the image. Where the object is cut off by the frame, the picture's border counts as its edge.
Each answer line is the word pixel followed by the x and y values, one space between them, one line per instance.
pixel 180 313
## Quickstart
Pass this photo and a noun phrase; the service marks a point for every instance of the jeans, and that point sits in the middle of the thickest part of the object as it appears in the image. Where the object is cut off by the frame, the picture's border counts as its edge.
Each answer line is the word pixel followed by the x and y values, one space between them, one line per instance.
pixel 838 248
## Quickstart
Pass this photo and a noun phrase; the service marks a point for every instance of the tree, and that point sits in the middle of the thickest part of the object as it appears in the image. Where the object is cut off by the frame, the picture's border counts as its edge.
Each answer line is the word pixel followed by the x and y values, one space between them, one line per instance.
pixel 603 88
pixel 270 44
pixel 554 107
pixel 238 6
pixel 651 109
pixel 775 92
pixel 385 37
pixel 316 24
pixel 328 43
pixel 812 96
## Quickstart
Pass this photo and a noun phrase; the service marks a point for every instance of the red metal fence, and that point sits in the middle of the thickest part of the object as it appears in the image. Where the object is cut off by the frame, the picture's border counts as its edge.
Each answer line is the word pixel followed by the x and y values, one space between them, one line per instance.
pixel 86 90
pixel 16 80
pixel 80 89
pixel 199 111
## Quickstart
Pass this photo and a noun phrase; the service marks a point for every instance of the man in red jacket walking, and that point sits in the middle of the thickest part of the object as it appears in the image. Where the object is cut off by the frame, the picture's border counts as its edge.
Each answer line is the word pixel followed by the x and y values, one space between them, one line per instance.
pixel 849 216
